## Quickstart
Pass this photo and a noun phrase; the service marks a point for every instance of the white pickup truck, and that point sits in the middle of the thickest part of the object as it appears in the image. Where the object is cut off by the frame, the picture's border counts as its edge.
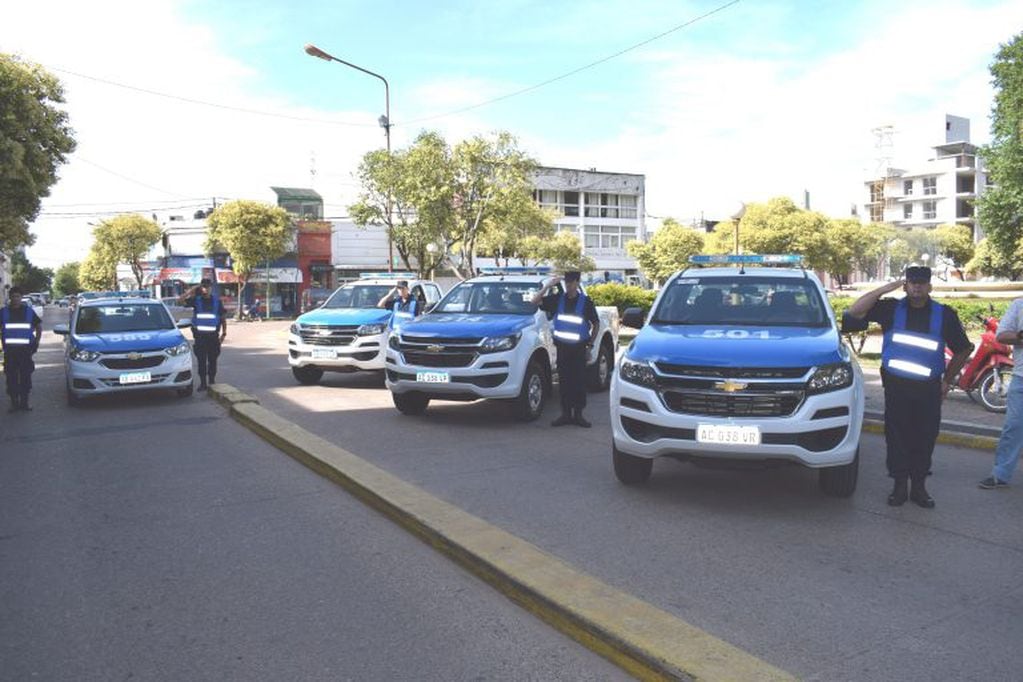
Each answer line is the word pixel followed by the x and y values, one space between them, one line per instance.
pixel 485 339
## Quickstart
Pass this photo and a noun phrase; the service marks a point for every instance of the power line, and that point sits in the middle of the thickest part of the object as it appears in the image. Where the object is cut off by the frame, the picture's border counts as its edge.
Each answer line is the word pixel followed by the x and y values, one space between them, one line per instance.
pixel 573 72
pixel 132 180
pixel 215 105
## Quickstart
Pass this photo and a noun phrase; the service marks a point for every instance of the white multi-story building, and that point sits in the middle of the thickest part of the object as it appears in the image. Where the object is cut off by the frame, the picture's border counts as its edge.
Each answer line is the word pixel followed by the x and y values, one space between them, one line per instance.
pixel 942 190
pixel 605 210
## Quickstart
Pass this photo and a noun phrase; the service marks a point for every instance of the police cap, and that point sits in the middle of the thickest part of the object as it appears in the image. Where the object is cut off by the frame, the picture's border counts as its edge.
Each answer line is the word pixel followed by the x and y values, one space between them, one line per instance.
pixel 918 273
pixel 205 282
pixel 403 284
pixel 572 276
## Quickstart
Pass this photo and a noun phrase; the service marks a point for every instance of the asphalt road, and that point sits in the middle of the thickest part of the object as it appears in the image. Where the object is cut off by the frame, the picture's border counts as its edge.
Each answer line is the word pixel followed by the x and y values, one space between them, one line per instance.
pixel 826 589
pixel 150 537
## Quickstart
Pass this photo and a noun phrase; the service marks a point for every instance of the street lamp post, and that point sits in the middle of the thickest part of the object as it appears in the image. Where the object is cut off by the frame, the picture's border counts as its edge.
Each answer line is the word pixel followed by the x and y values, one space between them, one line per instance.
pixel 385 123
pixel 736 218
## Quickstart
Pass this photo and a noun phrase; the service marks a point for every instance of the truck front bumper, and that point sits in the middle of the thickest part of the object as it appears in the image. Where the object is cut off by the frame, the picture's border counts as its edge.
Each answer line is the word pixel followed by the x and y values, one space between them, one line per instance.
pixel 363 353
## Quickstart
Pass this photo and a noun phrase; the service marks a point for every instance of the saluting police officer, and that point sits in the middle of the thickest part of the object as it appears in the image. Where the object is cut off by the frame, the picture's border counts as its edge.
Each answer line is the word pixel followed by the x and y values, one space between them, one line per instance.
pixel 209 328
pixel 20 331
pixel 575 326
pixel 913 373
pixel 400 301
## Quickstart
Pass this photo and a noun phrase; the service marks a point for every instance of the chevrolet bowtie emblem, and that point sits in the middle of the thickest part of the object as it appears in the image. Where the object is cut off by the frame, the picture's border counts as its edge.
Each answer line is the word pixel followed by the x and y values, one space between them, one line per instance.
pixel 729 386
pixel 434 348
pixel 134 356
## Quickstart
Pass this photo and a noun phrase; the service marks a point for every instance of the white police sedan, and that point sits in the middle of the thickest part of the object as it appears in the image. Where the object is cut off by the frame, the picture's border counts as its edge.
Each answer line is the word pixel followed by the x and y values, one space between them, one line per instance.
pixel 124 344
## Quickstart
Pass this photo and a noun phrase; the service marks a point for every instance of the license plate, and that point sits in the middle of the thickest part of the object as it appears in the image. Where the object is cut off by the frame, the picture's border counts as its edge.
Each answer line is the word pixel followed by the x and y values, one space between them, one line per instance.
pixel 324 354
pixel 433 377
pixel 721 434
pixel 135 378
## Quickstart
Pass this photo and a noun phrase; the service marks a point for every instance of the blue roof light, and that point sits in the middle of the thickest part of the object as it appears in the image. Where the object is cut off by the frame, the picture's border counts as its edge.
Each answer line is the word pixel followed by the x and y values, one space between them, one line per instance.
pixel 517 270
pixel 387 275
pixel 747 259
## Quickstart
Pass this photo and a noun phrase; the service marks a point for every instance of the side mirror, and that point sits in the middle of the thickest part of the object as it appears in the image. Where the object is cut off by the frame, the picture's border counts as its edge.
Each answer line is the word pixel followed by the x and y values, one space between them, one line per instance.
pixel 634 317
pixel 61 329
pixel 183 322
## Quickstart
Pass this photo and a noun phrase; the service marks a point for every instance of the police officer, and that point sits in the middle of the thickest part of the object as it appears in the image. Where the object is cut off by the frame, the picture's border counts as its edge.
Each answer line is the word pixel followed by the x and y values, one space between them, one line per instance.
pixel 20 331
pixel 913 373
pixel 575 326
pixel 401 302
pixel 209 328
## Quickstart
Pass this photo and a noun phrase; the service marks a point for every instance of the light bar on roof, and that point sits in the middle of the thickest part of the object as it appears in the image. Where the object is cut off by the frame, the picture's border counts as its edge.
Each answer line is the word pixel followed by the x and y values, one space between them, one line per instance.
pixel 387 275
pixel 747 259
pixel 516 270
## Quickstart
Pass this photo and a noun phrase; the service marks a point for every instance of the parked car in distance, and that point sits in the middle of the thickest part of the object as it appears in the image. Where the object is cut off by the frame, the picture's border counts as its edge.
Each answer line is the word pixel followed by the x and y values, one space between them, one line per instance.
pixel 313 298
pixel 178 312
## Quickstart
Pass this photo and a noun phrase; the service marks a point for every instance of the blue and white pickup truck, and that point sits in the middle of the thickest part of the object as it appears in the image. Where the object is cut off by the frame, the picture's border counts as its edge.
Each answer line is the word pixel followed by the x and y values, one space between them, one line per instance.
pixel 349 332
pixel 739 364
pixel 124 344
pixel 485 339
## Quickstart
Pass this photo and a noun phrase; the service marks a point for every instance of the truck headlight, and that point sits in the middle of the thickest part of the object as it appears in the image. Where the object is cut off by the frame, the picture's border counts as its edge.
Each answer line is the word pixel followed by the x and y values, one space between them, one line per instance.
pixel 393 342
pixel 639 373
pixel 295 329
pixel 179 349
pixel 82 355
pixel 830 378
pixel 495 344
pixel 371 329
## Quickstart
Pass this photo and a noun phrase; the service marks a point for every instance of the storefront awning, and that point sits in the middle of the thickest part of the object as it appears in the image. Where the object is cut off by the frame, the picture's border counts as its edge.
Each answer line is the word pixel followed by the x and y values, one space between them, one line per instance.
pixel 277 275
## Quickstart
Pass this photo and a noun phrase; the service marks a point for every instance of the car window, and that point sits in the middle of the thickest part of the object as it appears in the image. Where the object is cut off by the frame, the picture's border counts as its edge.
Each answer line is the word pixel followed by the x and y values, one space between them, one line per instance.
pixel 101 319
pixel 357 296
pixel 492 297
pixel 432 293
pixel 743 300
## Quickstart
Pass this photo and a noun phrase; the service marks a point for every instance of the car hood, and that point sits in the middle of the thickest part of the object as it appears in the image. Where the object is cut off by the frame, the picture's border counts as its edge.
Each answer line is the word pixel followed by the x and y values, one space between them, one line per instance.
pixel 737 346
pixel 345 316
pixel 125 342
pixel 466 324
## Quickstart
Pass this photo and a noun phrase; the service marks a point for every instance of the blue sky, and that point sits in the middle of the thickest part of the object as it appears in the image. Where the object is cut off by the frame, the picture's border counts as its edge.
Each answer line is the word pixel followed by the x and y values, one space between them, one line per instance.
pixel 763 98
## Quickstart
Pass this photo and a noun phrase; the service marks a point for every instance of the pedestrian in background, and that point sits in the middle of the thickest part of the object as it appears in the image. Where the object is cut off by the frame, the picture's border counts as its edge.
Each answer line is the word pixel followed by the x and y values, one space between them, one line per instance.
pixel 1010 332
pixel 20 332
pixel 209 329
pixel 913 374
pixel 575 326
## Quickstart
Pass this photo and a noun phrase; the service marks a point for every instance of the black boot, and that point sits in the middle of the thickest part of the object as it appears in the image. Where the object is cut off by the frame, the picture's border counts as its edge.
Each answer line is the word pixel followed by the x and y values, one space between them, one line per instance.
pixel 920 496
pixel 202 384
pixel 24 404
pixel 900 493
pixel 15 405
pixel 563 420
pixel 580 420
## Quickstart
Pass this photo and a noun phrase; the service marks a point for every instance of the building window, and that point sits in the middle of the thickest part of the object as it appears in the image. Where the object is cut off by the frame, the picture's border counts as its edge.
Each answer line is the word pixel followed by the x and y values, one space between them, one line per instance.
pixel 930 185
pixel 627 204
pixel 907 187
pixel 572 203
pixel 608 205
pixel 930 210
pixel 592 205
pixel 591 238
pixel 907 211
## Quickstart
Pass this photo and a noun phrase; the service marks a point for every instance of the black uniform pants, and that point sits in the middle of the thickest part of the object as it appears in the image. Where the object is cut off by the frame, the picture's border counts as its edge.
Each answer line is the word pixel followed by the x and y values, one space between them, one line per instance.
pixel 18 368
pixel 912 418
pixel 207 350
pixel 572 376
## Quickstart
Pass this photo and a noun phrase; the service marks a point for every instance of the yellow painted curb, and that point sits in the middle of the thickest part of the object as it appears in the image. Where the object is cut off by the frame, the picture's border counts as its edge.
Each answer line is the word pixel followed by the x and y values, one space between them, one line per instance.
pixel 228 395
pixel 647 642
pixel 965 440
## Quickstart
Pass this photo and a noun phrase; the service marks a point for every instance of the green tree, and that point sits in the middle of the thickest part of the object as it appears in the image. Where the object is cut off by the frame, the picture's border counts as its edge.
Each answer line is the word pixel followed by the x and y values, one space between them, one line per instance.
pixel 667 251
pixel 722 239
pixel 1000 209
pixel 28 276
pixel 508 236
pixel 127 239
pixel 34 141
pixel 98 272
pixel 988 259
pixel 955 242
pixel 252 232
pixel 65 281
pixel 563 252
pixel 382 201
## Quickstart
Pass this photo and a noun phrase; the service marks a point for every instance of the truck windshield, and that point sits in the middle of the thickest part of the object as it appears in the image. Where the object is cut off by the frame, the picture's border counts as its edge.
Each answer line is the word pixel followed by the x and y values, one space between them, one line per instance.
pixel 742 300
pixel 137 317
pixel 497 297
pixel 357 296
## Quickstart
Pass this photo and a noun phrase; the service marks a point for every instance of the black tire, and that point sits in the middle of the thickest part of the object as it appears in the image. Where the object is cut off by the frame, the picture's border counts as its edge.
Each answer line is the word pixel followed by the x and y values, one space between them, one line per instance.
pixel 599 378
pixel 412 403
pixel 529 404
pixel 307 376
pixel 629 469
pixel 840 481
pixel 993 399
pixel 186 391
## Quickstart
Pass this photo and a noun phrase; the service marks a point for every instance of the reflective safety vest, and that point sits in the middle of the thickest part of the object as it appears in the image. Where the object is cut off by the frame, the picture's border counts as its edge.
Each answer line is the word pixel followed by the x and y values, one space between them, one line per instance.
pixel 404 314
pixel 571 328
pixel 912 355
pixel 206 321
pixel 17 333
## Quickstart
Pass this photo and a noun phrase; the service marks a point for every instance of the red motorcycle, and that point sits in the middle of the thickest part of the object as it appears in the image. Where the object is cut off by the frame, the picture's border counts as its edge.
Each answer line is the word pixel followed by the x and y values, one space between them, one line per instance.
pixel 989 371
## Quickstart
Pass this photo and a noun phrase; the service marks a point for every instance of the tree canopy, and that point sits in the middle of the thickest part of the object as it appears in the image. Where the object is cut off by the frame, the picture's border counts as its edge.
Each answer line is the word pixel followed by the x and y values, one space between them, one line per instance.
pixel 65 281
pixel 668 250
pixel 1000 208
pixel 98 272
pixel 34 141
pixel 27 276
pixel 127 239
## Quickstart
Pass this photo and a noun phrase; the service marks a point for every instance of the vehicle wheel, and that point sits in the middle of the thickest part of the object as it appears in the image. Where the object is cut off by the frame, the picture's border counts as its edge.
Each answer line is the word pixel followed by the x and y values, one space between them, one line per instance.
pixel 629 469
pixel 412 403
pixel 307 376
pixel 185 392
pixel 529 404
pixel 600 374
pixel 994 388
pixel 840 481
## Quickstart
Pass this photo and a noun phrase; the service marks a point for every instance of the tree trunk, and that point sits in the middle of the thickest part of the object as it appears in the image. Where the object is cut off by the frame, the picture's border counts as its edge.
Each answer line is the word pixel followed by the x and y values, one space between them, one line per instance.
pixel 242 283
